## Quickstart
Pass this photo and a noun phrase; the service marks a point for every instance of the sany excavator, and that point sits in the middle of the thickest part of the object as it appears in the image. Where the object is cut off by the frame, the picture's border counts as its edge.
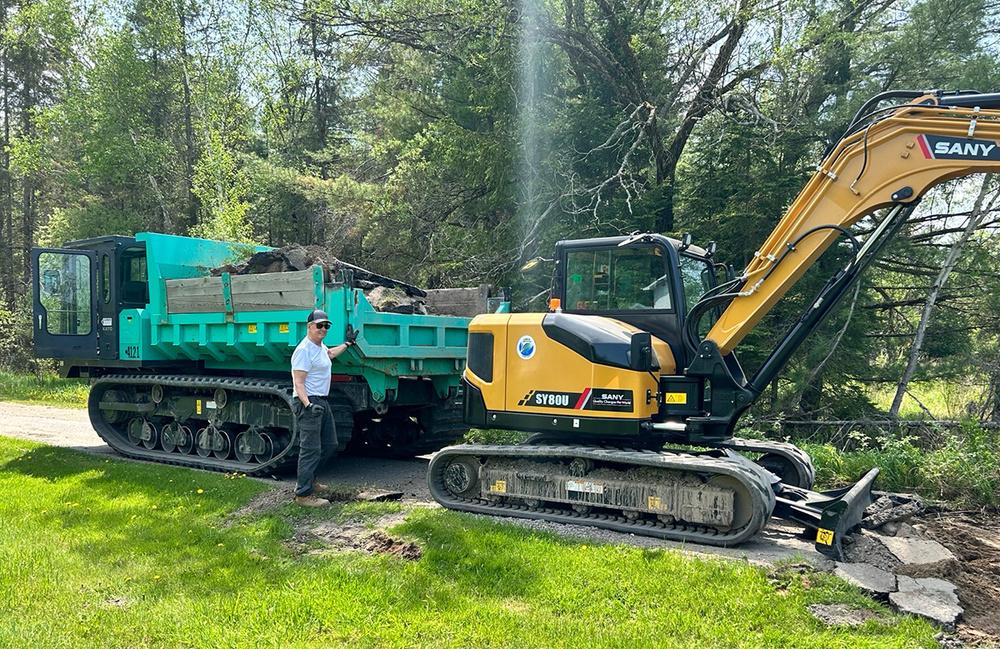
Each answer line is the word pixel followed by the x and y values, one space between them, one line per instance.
pixel 617 384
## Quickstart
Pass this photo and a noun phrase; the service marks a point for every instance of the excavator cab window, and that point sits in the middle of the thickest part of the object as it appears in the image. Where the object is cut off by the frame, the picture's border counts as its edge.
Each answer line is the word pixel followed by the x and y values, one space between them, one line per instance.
pixel 698 276
pixel 633 278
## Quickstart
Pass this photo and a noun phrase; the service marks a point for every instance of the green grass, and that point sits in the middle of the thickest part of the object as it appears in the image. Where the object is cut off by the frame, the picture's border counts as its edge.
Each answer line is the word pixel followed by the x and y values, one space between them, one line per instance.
pixel 97 552
pixel 49 389
pixel 945 399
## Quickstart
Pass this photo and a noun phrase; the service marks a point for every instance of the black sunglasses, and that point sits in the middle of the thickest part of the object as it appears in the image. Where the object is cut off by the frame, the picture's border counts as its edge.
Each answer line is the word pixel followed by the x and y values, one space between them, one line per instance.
pixel 323 325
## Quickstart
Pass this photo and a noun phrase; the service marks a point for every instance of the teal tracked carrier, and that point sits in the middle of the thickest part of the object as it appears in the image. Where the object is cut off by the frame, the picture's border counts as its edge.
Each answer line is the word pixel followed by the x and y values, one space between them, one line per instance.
pixel 192 368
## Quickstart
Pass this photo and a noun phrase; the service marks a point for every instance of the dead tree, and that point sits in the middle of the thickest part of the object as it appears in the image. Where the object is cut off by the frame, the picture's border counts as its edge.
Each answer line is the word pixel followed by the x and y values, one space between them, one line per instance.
pixel 975 219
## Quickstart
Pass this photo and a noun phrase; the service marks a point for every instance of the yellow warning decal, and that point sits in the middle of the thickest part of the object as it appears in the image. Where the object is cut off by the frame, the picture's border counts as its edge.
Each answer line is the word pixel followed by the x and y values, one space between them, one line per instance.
pixel 197 406
pixel 824 536
pixel 680 398
pixel 654 502
pixel 500 486
pixel 251 329
pixel 283 328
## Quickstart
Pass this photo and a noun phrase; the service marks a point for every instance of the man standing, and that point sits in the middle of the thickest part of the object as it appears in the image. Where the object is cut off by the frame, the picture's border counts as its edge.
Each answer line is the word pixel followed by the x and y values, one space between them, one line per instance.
pixel 311 363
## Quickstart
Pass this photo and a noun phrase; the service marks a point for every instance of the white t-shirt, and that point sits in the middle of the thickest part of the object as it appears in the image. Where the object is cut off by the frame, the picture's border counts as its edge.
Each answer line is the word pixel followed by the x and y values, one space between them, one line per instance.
pixel 313 359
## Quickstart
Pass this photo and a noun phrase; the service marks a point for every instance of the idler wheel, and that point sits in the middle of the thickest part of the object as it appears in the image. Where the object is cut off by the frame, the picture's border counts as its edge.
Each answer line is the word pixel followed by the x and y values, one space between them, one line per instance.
pixel 461 476
pixel 781 467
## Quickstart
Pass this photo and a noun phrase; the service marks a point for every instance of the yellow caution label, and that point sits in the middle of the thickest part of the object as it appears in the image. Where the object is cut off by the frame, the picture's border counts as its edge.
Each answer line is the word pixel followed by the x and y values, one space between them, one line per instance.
pixel 824 536
pixel 680 398
pixel 197 406
pixel 251 329
pixel 500 486
pixel 283 328
pixel 654 502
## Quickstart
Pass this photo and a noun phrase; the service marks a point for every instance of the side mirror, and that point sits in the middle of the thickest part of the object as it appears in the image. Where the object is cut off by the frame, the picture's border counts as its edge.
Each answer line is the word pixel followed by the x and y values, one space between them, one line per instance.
pixel 640 353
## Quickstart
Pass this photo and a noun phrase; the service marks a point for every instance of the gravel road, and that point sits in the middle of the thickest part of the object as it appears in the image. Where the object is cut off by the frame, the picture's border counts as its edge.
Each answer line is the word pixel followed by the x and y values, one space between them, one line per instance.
pixel 71 428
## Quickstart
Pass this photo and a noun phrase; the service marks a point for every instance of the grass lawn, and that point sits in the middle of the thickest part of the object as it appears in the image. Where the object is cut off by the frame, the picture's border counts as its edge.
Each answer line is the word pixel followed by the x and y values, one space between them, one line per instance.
pixel 97 552
pixel 49 390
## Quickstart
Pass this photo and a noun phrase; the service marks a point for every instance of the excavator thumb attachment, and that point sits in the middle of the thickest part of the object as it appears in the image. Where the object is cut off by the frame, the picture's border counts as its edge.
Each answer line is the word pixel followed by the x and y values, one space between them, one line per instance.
pixel 832 514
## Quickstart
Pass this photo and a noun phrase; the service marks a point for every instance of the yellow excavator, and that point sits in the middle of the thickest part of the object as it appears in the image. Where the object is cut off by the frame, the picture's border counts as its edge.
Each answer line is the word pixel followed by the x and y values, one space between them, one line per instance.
pixel 634 411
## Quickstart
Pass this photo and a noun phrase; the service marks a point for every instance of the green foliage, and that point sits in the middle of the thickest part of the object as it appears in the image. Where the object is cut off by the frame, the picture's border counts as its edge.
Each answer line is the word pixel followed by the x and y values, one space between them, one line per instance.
pixel 100 552
pixel 963 469
pixel 44 387
pixel 16 351
pixel 221 188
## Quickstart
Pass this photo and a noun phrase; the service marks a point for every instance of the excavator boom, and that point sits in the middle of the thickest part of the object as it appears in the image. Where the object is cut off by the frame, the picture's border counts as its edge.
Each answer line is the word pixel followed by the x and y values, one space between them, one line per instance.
pixel 888 158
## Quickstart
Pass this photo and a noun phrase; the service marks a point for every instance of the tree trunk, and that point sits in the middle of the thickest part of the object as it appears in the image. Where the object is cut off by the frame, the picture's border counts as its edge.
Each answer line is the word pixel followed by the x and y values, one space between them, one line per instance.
pixel 29 85
pixel 975 219
pixel 319 106
pixel 189 153
pixel 6 184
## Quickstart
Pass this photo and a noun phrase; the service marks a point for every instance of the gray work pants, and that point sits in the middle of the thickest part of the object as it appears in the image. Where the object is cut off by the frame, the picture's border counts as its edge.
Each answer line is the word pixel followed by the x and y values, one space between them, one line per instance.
pixel 317 443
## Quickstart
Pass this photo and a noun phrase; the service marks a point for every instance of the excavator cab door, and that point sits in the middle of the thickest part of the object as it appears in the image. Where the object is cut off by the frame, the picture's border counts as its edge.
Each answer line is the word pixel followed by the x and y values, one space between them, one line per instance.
pixel 64 318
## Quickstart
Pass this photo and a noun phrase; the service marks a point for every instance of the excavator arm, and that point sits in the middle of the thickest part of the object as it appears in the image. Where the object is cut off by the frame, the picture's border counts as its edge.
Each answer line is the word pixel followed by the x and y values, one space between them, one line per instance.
pixel 888 158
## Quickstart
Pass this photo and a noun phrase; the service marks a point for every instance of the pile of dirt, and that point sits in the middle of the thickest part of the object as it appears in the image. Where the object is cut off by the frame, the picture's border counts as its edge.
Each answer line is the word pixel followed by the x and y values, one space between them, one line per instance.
pixel 975 541
pixel 385 293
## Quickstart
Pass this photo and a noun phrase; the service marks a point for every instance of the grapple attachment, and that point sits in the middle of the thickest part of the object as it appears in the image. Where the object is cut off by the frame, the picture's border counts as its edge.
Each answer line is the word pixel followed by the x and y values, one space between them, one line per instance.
pixel 832 514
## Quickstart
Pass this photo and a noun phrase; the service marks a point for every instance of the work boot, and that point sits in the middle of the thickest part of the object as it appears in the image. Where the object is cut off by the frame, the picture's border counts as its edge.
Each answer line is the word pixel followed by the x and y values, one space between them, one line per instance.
pixel 319 486
pixel 311 501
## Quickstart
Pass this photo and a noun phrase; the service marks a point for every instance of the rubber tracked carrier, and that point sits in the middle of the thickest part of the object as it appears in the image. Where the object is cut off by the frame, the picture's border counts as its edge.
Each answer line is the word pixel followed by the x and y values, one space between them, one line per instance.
pixel 193 368
pixel 619 386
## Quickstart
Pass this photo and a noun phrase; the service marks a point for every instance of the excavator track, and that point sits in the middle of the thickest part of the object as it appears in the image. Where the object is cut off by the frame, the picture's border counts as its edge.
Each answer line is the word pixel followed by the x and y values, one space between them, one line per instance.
pixel 714 497
pixel 787 461
pixel 242 425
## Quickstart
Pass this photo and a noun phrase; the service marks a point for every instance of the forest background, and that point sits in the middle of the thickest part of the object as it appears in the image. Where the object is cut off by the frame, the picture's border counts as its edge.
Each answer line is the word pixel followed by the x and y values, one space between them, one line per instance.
pixel 447 142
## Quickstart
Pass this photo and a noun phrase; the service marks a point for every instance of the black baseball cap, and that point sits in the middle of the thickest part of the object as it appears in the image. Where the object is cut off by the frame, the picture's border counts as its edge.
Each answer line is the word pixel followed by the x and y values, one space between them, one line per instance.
pixel 318 316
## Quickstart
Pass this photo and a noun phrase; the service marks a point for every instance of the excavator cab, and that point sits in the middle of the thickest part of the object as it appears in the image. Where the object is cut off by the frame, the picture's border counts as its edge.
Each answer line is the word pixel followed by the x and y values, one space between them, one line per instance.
pixel 648 281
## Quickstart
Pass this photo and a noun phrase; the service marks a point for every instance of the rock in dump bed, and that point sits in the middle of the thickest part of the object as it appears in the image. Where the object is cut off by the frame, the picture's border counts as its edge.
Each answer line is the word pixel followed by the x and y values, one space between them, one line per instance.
pixel 384 293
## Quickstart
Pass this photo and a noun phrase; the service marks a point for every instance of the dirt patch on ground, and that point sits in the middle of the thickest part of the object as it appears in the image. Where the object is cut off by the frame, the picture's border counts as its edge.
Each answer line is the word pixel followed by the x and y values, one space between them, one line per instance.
pixel 262 503
pixel 975 541
pixel 364 535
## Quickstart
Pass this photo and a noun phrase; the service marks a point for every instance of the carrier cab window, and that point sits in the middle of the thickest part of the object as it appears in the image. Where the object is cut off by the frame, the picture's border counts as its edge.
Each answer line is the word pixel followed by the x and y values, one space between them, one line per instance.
pixel 134 282
pixel 64 293
pixel 634 278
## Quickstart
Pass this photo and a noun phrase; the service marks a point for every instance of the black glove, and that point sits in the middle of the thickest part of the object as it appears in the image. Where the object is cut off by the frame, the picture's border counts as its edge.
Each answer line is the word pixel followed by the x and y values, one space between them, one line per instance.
pixel 311 409
pixel 350 336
